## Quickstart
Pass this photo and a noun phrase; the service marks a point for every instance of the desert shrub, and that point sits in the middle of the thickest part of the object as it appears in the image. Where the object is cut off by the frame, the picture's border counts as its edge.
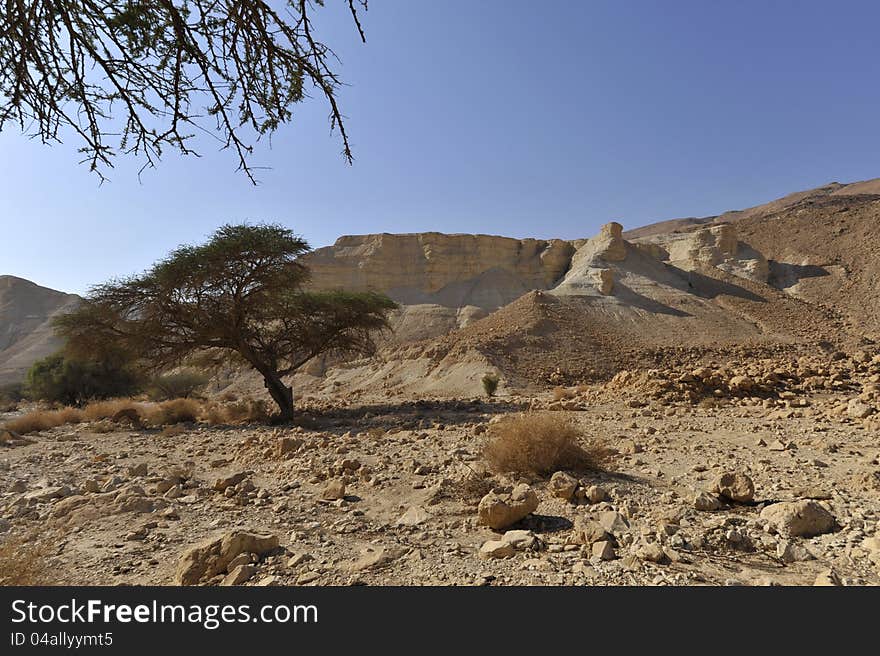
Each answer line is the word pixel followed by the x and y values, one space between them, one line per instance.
pixel 175 411
pixel 40 420
pixel 490 384
pixel 538 443
pixel 213 414
pixel 60 379
pixel 111 408
pixel 177 385
pixel 562 393
pixel 23 561
pixel 246 411
pixel 10 396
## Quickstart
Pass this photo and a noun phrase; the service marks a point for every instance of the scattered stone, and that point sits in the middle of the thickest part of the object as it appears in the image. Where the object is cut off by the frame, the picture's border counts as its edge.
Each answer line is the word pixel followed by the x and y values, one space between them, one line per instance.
pixel 614 522
pixel 500 511
pixel 213 556
pixel 859 410
pixel 373 556
pixel 229 481
pixel 414 516
pixel 791 552
pixel 496 549
pixel 653 553
pixel 589 532
pixel 521 540
pixel 734 486
pixel 595 494
pixel 239 574
pixel 288 445
pixel 805 518
pixel 563 485
pixel 604 550
pixel 138 470
pixel 334 490
pixel 706 502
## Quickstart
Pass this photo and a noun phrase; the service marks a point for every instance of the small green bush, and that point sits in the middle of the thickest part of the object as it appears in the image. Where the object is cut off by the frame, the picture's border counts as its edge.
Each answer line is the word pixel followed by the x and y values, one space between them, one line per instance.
pixel 490 384
pixel 177 385
pixel 60 379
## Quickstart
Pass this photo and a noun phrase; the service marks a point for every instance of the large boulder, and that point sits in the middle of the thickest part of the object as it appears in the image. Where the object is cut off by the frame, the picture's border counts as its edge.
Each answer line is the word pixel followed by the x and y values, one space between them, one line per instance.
pixel 805 518
pixel 734 486
pixel 500 511
pixel 213 556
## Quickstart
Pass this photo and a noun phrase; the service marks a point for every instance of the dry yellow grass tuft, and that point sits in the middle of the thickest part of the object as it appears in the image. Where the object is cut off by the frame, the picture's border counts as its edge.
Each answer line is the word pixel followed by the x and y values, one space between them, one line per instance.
pixel 245 411
pixel 112 408
pixel 23 561
pixel 175 411
pixel 107 415
pixel 540 443
pixel 40 420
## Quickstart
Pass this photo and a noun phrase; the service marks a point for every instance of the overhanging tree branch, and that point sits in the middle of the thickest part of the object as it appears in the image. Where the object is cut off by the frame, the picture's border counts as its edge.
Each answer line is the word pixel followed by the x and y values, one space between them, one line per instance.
pixel 128 77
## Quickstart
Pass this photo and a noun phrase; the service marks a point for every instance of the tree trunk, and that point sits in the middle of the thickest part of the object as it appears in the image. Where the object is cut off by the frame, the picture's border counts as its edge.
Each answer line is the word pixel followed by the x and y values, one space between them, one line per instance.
pixel 282 395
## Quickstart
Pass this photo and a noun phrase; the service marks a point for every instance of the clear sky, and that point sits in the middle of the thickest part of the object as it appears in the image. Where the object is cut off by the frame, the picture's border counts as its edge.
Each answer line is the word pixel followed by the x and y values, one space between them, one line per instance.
pixel 509 117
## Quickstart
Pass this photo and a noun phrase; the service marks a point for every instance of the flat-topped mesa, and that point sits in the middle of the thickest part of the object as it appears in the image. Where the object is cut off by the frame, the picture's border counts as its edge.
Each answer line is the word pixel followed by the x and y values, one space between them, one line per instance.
pixel 408 266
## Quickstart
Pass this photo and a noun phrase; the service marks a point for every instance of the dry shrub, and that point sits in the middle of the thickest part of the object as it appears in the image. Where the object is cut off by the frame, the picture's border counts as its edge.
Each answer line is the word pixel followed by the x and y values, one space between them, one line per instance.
pixel 213 414
pixel 172 431
pixel 108 409
pixel 246 411
pixel 103 426
pixel 539 443
pixel 23 561
pixel 40 420
pixel 175 411
pixel 562 393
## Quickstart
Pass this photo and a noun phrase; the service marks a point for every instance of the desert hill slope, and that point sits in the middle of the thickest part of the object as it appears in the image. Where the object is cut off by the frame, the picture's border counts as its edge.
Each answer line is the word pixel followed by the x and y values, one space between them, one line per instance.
pixel 26 312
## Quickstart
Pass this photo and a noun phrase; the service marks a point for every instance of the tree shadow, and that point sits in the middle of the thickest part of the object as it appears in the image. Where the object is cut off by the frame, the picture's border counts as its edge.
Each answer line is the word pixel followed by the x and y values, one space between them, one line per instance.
pixel 404 415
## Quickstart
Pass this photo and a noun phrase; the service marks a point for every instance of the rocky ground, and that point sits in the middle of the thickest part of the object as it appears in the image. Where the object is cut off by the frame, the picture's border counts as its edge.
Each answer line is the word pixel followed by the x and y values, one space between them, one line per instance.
pixel 774 481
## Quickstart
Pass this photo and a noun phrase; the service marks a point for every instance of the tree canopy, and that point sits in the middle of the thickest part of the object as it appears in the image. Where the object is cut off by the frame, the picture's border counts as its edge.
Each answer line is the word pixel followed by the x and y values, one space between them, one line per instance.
pixel 137 76
pixel 243 292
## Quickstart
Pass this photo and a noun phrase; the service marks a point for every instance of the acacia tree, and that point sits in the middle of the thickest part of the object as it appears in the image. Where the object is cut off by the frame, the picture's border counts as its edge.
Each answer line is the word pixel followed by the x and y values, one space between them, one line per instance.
pixel 138 75
pixel 242 292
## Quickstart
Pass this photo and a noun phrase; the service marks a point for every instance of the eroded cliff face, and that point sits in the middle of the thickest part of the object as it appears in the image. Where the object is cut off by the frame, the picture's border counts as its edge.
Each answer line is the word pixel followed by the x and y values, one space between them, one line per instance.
pixel 443 282
pixel 449 270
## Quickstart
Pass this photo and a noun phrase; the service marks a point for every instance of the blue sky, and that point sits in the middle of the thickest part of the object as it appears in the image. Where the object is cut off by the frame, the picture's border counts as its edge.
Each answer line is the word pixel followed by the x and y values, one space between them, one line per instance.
pixel 508 117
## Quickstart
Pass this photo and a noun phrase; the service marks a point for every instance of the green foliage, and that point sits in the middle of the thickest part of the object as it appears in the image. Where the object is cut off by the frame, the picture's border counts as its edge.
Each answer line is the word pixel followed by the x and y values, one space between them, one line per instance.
pixel 241 292
pixel 490 384
pixel 177 385
pixel 60 379
pixel 10 396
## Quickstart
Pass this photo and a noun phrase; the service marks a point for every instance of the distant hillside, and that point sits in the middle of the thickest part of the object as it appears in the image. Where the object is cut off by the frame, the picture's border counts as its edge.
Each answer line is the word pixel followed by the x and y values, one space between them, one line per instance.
pixel 26 312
